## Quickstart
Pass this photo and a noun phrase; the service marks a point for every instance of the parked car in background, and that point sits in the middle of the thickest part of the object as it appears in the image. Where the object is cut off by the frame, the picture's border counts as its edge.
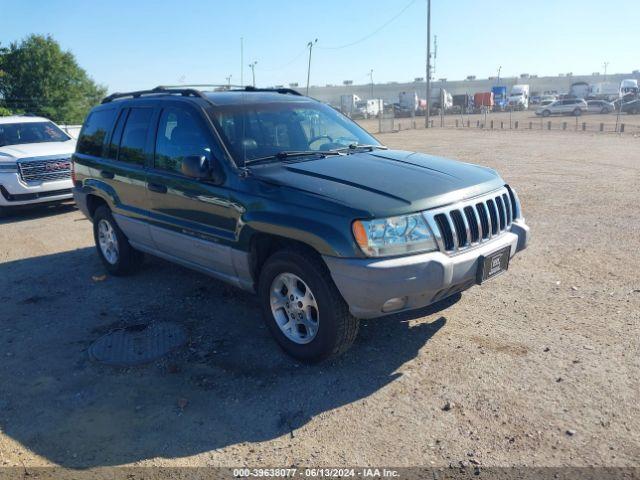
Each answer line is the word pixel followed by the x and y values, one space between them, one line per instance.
pixel 281 195
pixel 566 106
pixel 600 106
pixel 35 162
pixel 632 106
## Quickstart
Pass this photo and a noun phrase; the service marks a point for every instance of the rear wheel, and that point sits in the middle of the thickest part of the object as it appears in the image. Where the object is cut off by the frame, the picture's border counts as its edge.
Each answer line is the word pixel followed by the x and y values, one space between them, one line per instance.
pixel 4 212
pixel 577 112
pixel 303 308
pixel 117 255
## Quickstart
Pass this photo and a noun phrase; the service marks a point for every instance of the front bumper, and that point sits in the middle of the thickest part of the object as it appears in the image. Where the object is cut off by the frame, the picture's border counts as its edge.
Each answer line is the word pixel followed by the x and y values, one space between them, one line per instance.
pixel 423 279
pixel 14 192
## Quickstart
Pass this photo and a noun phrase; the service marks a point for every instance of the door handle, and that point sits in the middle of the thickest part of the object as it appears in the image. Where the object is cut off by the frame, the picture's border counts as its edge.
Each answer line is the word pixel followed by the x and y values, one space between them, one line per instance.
pixel 106 174
pixel 156 187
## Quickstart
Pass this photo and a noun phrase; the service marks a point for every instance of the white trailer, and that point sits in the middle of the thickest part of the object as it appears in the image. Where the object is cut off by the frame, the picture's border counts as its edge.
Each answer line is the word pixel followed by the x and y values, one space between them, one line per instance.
pixel 370 108
pixel 579 90
pixel 348 104
pixel 605 91
pixel 408 101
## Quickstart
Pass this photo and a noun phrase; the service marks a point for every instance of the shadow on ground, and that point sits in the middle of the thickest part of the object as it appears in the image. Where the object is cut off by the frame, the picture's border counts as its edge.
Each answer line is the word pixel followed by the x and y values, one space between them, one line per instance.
pixel 32 212
pixel 230 384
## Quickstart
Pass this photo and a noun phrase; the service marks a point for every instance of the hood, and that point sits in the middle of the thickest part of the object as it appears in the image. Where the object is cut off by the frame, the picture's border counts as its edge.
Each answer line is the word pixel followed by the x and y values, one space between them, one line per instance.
pixel 30 150
pixel 385 183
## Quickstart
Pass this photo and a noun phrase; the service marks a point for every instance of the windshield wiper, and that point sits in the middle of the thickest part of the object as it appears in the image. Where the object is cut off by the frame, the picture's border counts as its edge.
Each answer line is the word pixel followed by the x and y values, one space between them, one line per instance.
pixel 288 154
pixel 358 147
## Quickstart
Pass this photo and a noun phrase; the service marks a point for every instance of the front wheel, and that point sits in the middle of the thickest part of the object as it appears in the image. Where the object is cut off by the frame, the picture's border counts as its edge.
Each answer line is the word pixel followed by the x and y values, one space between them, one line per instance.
pixel 577 112
pixel 117 255
pixel 546 113
pixel 303 308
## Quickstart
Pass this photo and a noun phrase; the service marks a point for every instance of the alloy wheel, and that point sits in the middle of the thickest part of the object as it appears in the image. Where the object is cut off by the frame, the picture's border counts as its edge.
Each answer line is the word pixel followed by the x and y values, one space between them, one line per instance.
pixel 294 308
pixel 108 241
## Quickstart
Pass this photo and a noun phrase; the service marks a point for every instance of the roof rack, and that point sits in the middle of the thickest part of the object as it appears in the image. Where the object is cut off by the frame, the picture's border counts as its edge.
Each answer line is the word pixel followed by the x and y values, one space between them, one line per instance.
pixel 202 86
pixel 191 91
pixel 185 92
pixel 230 88
pixel 289 91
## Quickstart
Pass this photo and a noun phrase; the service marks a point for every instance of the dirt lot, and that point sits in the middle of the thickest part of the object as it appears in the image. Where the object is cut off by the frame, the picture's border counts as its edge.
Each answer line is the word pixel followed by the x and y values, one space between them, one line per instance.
pixel 540 366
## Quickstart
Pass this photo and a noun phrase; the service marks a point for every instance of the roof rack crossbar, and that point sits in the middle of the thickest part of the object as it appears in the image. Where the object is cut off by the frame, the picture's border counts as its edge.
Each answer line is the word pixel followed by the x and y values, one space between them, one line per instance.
pixel 185 92
pixel 289 91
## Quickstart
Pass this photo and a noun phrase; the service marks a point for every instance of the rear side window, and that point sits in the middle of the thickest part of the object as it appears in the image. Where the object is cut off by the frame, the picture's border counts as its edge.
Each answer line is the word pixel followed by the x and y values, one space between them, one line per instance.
pixel 134 136
pixel 95 131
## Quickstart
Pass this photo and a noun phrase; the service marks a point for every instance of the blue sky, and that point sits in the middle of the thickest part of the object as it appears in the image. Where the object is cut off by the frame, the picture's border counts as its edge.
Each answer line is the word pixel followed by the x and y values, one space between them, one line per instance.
pixel 142 43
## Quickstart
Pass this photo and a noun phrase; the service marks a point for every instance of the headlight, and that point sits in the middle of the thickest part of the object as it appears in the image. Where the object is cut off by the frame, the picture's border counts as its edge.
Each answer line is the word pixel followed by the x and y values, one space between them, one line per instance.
pixel 394 236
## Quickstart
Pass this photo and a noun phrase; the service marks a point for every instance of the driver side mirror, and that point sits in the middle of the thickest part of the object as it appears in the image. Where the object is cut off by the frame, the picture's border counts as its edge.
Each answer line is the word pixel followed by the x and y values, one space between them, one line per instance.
pixel 196 166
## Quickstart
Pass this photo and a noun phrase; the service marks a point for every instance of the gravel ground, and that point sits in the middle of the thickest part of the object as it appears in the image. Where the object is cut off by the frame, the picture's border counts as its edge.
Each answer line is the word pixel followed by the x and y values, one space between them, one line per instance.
pixel 538 367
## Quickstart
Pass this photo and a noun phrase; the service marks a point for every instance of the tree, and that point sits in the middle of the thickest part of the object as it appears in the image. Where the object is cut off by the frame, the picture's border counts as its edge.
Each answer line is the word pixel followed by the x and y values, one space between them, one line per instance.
pixel 37 76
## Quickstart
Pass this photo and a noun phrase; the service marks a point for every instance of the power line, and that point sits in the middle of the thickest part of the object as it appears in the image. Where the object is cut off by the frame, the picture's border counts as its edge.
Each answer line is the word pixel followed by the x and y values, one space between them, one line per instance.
pixel 297 57
pixel 366 37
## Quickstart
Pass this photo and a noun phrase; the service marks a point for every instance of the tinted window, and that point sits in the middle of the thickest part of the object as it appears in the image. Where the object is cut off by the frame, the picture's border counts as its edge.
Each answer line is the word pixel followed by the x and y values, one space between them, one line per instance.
pixel 30 132
pixel 95 131
pixel 134 136
pixel 117 134
pixel 179 136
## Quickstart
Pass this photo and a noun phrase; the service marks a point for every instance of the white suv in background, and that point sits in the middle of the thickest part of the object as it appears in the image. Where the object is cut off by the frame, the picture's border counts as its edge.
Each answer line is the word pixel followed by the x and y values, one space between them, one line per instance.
pixel 35 162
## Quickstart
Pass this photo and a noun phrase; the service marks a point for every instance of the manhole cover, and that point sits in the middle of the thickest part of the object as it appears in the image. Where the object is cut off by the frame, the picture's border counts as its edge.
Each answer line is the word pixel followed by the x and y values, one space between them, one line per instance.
pixel 137 344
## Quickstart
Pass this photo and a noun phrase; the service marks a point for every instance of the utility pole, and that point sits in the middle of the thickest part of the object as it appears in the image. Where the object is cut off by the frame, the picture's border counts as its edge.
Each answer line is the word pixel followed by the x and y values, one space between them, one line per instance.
pixel 252 65
pixel 229 81
pixel 242 61
pixel 371 77
pixel 428 77
pixel 310 47
pixel 499 70
pixel 605 64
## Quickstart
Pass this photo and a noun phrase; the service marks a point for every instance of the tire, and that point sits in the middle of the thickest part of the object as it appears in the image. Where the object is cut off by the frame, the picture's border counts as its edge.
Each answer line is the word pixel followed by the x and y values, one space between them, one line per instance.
pixel 546 113
pixel 334 329
pixel 577 112
pixel 4 212
pixel 126 259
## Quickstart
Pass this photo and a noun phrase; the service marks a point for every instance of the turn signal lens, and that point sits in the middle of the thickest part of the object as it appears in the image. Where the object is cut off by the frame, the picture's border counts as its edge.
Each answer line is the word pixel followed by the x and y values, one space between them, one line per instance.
pixel 360 234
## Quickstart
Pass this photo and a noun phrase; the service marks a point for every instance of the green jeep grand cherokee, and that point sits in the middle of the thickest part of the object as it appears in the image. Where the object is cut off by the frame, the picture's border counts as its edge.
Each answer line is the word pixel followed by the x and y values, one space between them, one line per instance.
pixel 280 194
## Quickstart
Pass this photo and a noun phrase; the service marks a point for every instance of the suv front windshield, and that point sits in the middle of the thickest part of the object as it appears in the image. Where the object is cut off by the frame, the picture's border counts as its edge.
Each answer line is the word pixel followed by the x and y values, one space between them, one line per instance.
pixel 30 132
pixel 259 130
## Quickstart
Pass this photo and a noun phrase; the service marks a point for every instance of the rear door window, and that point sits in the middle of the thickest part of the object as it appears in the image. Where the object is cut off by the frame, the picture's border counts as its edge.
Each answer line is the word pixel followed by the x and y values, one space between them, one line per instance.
pixel 134 136
pixel 95 131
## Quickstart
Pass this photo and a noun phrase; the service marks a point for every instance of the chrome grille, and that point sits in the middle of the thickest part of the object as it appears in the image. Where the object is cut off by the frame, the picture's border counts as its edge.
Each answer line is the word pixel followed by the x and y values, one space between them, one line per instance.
pixel 466 224
pixel 45 170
